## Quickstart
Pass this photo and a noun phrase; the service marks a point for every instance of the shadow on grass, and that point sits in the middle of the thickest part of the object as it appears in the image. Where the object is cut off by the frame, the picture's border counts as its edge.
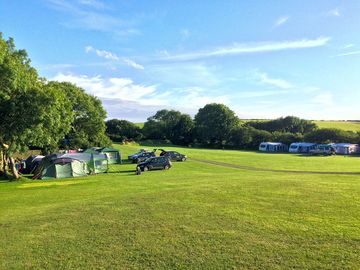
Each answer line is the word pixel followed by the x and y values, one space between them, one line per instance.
pixel 127 171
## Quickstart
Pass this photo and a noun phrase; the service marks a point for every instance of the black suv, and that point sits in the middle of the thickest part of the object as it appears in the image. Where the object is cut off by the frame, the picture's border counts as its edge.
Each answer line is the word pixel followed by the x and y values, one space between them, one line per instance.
pixel 173 155
pixel 142 157
pixel 155 163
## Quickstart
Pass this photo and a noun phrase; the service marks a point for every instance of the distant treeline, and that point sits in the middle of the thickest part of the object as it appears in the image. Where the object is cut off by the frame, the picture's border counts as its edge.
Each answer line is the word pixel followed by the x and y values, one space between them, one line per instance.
pixel 217 126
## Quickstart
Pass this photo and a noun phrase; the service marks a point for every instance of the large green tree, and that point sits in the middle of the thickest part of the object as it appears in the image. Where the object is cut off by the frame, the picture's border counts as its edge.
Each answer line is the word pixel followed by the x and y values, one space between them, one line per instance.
pixel 170 125
pixel 119 130
pixel 30 112
pixel 214 124
pixel 88 125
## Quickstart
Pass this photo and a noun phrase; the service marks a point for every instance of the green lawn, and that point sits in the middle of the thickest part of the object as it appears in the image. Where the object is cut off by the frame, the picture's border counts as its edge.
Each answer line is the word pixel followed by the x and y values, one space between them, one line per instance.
pixel 194 216
pixel 344 125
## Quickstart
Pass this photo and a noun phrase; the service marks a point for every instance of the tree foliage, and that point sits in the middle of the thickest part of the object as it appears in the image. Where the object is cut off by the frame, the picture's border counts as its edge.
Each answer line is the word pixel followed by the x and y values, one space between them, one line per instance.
pixel 214 124
pixel 170 125
pixel 332 135
pixel 119 130
pixel 290 124
pixel 36 113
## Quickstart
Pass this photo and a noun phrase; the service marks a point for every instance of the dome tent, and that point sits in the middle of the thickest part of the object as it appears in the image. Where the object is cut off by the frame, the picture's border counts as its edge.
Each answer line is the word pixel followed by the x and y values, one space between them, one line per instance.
pixel 113 155
pixel 71 165
pixel 56 166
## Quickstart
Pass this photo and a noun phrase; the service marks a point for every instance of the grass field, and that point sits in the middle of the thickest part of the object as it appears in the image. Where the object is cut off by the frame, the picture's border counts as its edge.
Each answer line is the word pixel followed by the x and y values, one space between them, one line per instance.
pixel 344 125
pixel 194 216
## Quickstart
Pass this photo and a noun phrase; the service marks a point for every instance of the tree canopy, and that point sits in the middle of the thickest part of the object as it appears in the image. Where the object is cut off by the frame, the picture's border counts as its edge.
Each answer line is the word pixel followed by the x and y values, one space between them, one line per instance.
pixel 214 124
pixel 35 112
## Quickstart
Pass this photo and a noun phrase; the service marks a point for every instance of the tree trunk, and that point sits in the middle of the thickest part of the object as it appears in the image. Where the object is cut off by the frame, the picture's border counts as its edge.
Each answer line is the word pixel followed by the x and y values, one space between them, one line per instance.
pixel 13 168
pixel 1 162
pixel 4 160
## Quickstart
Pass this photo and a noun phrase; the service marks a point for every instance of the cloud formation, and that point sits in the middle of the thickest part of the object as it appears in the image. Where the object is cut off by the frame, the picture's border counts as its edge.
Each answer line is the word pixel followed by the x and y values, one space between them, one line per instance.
pixel 281 21
pixel 334 12
pixel 278 83
pixel 112 56
pixel 250 48
pixel 348 53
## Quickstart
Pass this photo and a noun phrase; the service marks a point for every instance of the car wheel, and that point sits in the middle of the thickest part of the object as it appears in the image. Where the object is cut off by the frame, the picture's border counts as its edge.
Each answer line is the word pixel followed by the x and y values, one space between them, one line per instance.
pixel 146 168
pixel 166 167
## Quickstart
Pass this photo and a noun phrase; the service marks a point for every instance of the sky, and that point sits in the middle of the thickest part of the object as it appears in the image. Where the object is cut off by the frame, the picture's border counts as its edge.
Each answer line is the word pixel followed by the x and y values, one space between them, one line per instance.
pixel 263 59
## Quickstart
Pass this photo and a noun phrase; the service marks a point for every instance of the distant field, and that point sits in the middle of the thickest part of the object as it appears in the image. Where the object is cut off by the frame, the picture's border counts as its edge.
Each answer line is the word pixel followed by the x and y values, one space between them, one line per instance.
pixel 194 216
pixel 140 125
pixel 344 125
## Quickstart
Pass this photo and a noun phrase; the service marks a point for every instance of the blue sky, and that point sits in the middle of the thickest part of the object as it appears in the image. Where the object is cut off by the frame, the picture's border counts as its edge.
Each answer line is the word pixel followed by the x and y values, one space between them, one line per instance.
pixel 264 59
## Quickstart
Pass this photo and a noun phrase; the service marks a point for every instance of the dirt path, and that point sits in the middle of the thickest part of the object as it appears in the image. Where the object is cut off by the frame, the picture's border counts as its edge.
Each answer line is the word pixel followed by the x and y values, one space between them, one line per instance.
pixel 249 168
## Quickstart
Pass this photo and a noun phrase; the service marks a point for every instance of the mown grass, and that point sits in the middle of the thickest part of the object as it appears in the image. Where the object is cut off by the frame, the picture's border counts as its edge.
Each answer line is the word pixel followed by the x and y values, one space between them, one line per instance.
pixel 344 125
pixel 194 216
pixel 261 160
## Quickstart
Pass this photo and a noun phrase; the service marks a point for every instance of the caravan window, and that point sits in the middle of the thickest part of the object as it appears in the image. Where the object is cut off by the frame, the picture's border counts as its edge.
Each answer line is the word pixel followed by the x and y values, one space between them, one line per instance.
pixel 293 146
pixel 262 145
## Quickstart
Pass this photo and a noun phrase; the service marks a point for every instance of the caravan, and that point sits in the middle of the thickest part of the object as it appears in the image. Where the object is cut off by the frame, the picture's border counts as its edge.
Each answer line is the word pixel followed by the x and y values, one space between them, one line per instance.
pixel 273 147
pixel 301 147
pixel 346 148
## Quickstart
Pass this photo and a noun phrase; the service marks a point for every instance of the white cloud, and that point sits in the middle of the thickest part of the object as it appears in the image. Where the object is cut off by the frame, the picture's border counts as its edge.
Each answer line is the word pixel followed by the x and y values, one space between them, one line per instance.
pixel 325 99
pixel 93 3
pixel 334 12
pixel 90 15
pixel 281 21
pixel 279 83
pixel 185 33
pixel 112 56
pixel 251 48
pixel 348 53
pixel 347 46
pixel 132 63
pixel 137 97
pixel 121 88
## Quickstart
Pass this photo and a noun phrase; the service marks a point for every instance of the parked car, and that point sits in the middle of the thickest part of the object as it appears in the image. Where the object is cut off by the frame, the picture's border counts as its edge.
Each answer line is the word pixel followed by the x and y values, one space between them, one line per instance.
pixel 173 155
pixel 323 150
pixel 141 156
pixel 154 163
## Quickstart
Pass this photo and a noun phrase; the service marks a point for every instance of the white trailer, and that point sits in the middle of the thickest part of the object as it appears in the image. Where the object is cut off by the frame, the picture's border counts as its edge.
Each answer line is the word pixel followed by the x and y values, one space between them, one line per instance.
pixel 301 147
pixel 273 147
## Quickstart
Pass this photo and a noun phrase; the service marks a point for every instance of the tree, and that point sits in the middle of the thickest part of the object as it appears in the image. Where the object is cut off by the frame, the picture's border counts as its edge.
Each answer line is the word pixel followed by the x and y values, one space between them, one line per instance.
pixel 241 137
pixel 290 124
pixel 31 114
pixel 169 125
pixel 259 136
pixel 88 125
pixel 287 137
pixel 119 130
pixel 214 124
pixel 184 131
pixel 331 135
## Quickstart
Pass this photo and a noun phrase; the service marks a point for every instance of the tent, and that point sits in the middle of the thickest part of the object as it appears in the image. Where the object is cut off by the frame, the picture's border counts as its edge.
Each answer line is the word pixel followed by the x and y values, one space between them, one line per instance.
pixel 32 162
pixel 97 163
pixel 113 155
pixel 56 166
pixel 273 147
pixel 71 165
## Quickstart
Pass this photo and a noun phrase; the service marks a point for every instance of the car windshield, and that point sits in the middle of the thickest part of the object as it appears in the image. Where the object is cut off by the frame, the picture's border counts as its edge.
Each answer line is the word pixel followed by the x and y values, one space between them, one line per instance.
pixel 148 159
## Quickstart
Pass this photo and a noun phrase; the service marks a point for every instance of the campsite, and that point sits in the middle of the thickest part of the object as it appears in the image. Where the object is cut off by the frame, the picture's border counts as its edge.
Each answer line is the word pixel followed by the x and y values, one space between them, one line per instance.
pixel 196 215
pixel 179 135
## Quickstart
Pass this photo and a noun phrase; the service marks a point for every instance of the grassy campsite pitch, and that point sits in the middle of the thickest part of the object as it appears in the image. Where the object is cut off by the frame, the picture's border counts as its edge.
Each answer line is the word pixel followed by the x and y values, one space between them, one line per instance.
pixel 194 216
